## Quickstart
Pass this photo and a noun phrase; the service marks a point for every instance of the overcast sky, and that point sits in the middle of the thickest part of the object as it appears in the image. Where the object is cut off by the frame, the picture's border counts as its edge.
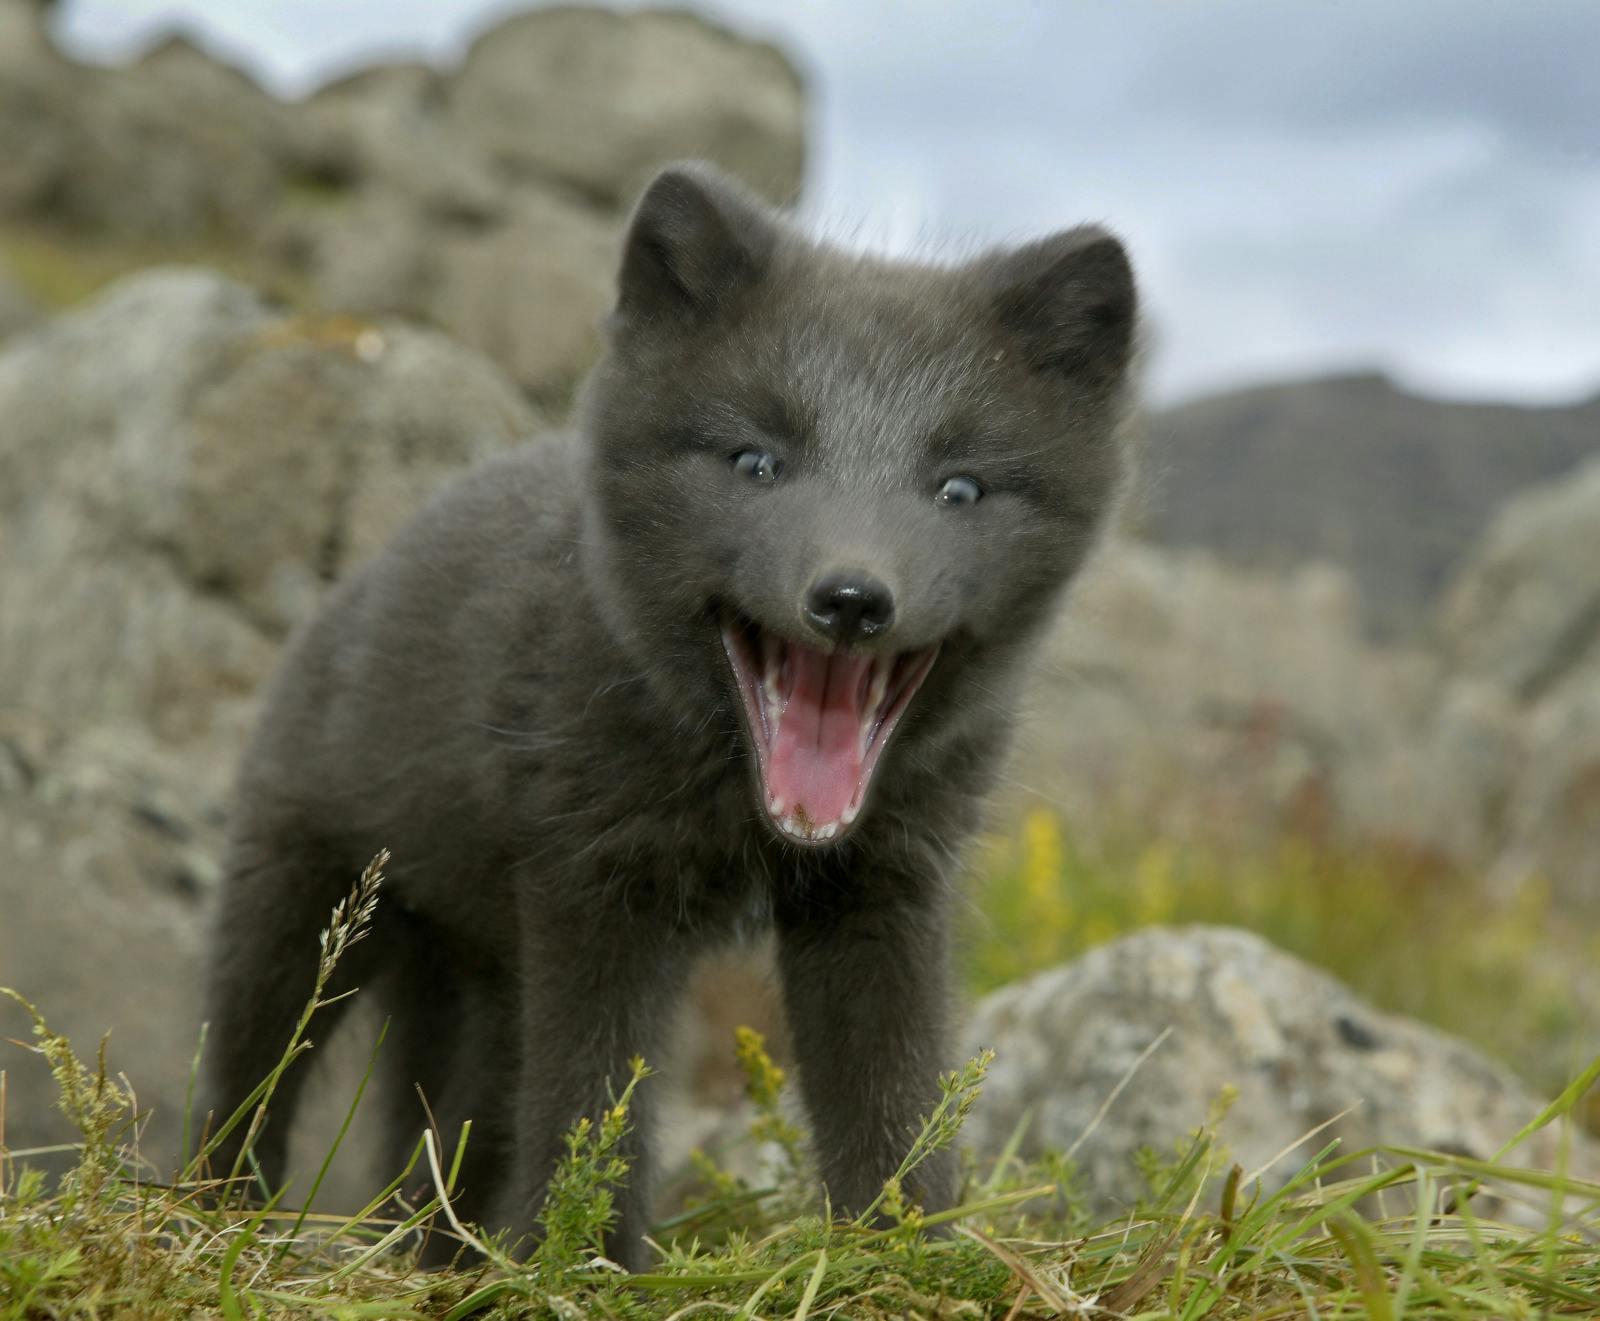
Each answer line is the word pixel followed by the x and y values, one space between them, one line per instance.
pixel 1307 185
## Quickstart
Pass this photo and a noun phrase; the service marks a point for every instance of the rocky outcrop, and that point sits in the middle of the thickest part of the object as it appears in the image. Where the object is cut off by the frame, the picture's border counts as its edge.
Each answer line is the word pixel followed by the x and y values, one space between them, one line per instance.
pixel 1285 1046
pixel 485 200
pixel 1181 695
pixel 177 147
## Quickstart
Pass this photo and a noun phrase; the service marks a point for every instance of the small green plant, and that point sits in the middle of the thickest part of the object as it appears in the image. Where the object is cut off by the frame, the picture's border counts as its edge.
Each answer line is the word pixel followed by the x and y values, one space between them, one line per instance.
pixel 763 1084
pixel 580 1206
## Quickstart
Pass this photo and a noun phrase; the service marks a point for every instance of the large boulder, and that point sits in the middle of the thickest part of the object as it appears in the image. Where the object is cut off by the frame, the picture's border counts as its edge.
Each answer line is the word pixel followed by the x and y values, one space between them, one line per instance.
pixel 596 100
pixel 1291 1046
pixel 183 470
pixel 531 293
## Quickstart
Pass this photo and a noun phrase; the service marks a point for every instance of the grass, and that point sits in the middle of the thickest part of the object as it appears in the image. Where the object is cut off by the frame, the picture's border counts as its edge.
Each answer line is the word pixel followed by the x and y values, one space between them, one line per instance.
pixel 1384 1233
pixel 1412 933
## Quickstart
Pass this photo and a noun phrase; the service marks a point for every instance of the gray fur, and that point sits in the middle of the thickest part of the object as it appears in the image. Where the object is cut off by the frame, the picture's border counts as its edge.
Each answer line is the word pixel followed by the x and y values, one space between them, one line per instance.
pixel 525 697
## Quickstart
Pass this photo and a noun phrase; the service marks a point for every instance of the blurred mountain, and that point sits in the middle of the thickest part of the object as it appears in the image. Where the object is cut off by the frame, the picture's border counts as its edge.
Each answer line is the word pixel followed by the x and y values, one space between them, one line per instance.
pixel 1392 487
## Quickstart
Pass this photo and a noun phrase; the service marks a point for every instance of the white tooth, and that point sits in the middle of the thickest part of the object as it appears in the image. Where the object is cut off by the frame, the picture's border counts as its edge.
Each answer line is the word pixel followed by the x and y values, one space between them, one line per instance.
pixel 828 831
pixel 875 691
pixel 880 682
pixel 776 806
pixel 771 675
pixel 850 814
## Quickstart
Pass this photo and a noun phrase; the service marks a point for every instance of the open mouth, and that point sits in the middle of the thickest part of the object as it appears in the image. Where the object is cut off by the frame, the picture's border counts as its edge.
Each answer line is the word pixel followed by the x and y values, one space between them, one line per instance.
pixel 820 721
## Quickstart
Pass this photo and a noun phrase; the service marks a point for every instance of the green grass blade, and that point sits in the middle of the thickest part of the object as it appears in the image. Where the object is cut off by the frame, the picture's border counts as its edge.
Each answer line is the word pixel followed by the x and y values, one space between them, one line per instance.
pixel 1568 1097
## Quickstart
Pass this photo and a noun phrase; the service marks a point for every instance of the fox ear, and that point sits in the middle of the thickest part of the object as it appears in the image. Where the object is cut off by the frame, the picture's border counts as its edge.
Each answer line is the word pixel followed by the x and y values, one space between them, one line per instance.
pixel 695 238
pixel 1070 298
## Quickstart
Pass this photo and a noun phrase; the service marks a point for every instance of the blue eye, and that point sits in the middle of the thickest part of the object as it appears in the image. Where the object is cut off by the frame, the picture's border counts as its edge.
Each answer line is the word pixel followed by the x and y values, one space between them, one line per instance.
pixel 756 466
pixel 958 492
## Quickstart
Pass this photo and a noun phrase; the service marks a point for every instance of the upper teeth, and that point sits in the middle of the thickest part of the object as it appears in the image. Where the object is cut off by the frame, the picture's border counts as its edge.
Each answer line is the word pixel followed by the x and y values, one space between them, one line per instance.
pixel 875 691
pixel 771 677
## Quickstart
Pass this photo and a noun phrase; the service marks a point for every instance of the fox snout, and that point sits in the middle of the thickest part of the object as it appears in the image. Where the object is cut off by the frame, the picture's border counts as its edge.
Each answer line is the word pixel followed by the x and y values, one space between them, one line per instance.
pixel 848 606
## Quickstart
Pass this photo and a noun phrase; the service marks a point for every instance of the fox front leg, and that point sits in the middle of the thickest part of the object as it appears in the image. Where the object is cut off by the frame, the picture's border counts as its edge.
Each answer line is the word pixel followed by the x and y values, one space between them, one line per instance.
pixel 593 1001
pixel 866 987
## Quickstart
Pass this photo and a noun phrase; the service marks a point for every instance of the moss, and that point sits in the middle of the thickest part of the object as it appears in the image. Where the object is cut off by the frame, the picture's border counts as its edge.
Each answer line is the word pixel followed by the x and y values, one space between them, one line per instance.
pixel 59 269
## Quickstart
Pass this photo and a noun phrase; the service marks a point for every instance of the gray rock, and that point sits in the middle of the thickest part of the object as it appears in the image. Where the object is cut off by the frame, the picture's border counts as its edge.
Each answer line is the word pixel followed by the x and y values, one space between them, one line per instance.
pixel 531 293
pixel 388 128
pixel 1446 785
pixel 1524 612
pixel 596 100
pixel 374 256
pixel 528 290
pixel 40 99
pixel 1183 697
pixel 109 846
pixel 183 471
pixel 1297 1047
pixel 106 846
pixel 177 147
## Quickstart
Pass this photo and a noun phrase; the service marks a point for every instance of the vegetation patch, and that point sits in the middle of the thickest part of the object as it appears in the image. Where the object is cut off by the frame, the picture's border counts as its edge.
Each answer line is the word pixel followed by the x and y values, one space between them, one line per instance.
pixel 1381 1233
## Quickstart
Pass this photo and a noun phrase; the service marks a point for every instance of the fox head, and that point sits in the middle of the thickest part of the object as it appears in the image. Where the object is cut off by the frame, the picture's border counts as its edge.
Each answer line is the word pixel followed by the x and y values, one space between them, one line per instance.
pixel 829 494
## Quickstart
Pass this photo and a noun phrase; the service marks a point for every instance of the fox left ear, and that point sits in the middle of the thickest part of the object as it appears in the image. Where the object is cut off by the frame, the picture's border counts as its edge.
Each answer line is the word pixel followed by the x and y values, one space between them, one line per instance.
pixel 1070 298
pixel 696 237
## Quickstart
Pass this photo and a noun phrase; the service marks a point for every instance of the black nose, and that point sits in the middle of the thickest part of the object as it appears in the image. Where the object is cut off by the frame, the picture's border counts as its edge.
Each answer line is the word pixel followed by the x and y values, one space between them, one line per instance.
pixel 848 607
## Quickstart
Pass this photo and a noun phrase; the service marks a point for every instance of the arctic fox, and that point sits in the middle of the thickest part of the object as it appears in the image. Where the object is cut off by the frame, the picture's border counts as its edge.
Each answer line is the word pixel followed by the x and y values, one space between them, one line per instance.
pixel 741 651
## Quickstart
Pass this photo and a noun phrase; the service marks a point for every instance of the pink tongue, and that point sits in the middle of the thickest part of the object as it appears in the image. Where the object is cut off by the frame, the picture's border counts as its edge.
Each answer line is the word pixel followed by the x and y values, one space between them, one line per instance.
pixel 815 760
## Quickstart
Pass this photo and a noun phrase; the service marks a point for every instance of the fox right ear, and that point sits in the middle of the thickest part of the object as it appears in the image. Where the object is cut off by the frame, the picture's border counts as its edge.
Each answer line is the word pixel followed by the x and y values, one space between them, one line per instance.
pixel 695 239
pixel 1071 300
